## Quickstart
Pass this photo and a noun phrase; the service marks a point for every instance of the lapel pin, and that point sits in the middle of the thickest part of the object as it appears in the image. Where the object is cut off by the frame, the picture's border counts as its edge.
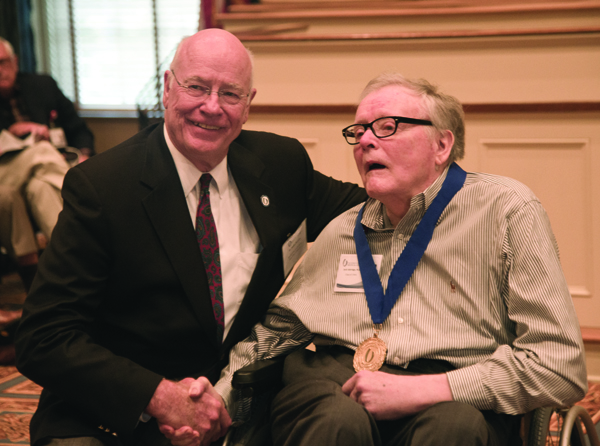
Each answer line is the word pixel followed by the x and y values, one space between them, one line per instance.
pixel 265 200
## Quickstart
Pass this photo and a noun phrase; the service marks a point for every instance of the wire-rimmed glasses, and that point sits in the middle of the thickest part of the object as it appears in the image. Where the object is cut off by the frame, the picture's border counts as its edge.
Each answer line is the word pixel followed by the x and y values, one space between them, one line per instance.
pixel 202 92
pixel 381 127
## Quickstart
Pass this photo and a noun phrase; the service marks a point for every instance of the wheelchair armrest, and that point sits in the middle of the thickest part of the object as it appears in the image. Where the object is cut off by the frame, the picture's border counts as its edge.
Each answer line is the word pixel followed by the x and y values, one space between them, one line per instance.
pixel 259 375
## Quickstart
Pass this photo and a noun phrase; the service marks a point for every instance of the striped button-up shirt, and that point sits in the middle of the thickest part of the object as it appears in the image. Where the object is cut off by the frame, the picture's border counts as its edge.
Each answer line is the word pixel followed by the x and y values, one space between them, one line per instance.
pixel 488 295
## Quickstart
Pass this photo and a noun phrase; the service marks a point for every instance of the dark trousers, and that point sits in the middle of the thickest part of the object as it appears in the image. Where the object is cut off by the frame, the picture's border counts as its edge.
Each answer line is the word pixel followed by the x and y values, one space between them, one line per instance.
pixel 312 410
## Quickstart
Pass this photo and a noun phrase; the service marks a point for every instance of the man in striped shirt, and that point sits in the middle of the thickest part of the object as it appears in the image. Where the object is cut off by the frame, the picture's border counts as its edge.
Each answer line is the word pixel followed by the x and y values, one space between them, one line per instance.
pixel 481 330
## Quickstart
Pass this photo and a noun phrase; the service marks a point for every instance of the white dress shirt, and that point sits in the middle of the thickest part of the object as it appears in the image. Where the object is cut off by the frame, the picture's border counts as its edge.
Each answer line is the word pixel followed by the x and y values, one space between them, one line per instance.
pixel 239 244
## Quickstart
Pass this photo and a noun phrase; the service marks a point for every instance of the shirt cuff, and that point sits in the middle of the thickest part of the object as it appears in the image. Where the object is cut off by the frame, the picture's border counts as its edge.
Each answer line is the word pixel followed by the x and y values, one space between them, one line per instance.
pixel 467 387
pixel 224 389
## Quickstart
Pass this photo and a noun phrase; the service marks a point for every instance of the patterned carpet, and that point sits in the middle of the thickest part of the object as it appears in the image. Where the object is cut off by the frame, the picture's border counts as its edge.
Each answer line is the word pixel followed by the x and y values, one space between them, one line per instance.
pixel 18 400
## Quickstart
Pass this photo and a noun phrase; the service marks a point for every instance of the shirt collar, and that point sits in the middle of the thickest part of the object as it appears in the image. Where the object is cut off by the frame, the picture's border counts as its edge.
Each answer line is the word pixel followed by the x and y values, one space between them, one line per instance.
pixel 375 217
pixel 190 174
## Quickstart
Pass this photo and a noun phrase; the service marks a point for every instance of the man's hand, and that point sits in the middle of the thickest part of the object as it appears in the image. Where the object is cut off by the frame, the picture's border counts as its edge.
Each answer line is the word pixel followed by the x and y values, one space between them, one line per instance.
pixel 23 128
pixel 184 436
pixel 84 154
pixel 390 397
pixel 189 420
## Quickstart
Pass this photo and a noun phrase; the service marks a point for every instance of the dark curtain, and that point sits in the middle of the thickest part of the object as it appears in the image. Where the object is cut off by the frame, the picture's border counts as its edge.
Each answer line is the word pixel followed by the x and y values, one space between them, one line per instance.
pixel 27 48
pixel 15 26
pixel 8 22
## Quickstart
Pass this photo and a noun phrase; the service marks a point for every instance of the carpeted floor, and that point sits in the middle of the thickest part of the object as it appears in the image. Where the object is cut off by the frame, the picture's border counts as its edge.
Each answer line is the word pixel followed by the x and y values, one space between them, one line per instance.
pixel 18 400
pixel 18 396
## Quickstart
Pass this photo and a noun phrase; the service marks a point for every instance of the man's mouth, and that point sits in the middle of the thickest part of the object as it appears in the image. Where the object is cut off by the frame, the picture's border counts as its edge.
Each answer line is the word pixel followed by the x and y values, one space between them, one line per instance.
pixel 206 126
pixel 374 166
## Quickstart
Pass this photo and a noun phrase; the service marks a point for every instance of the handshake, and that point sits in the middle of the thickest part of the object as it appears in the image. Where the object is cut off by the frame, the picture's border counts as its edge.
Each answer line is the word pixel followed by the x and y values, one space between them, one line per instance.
pixel 189 412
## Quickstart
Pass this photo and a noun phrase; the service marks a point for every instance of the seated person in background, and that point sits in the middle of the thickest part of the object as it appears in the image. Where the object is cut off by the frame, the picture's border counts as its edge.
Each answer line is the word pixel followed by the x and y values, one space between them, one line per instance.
pixel 476 324
pixel 29 105
pixel 18 238
pixel 16 234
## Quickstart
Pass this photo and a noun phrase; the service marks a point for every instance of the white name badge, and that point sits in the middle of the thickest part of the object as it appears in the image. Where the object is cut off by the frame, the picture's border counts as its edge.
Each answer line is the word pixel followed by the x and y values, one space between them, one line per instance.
pixel 348 278
pixel 293 248
pixel 58 138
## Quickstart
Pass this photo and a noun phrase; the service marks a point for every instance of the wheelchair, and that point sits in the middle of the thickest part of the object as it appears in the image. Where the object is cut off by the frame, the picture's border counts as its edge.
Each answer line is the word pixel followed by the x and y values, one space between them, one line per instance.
pixel 560 426
pixel 257 384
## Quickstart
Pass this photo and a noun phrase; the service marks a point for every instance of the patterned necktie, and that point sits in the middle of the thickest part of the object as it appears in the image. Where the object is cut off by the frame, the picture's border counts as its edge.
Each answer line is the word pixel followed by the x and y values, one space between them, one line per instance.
pixel 206 233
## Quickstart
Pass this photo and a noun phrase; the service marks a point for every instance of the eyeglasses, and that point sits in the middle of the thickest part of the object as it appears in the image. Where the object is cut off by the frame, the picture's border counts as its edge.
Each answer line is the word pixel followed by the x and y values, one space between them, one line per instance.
pixel 381 128
pixel 201 92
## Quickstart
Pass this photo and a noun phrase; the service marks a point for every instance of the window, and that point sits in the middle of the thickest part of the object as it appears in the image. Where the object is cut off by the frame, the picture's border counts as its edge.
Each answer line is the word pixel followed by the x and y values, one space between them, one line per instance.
pixel 120 46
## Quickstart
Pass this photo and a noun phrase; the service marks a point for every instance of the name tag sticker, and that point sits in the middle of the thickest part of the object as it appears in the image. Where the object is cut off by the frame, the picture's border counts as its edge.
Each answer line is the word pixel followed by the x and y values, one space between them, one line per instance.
pixel 293 248
pixel 58 138
pixel 348 278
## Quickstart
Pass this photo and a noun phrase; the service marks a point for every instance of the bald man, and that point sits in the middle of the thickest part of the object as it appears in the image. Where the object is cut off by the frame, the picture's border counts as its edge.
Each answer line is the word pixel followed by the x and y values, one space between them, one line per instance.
pixel 168 251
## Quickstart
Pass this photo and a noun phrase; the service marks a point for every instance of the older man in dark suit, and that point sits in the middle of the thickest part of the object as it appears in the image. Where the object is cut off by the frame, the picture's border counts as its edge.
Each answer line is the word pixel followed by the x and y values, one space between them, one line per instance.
pixel 169 249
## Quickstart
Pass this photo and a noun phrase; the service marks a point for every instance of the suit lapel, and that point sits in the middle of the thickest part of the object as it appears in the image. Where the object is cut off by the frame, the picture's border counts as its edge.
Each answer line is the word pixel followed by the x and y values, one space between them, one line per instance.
pixel 168 212
pixel 250 174
pixel 251 178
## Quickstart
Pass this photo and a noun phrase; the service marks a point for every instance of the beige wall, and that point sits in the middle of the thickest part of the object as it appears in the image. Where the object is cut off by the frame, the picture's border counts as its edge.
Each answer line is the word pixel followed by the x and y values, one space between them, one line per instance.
pixel 517 69
pixel 108 132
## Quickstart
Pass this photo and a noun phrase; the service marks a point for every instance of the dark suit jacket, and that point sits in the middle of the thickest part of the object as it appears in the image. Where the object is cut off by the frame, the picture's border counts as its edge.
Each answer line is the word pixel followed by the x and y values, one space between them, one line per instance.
pixel 38 95
pixel 121 298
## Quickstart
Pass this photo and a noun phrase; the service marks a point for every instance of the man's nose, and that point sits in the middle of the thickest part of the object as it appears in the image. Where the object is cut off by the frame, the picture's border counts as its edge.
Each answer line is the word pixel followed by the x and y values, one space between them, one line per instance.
pixel 367 140
pixel 212 102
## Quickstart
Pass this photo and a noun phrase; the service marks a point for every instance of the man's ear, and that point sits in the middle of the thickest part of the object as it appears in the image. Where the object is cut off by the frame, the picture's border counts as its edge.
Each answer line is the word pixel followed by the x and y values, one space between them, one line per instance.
pixel 247 111
pixel 166 90
pixel 445 142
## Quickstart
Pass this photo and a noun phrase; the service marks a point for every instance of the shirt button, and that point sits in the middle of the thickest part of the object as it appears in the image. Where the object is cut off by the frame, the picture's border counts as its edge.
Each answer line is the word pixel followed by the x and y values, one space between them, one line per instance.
pixel 400 320
pixel 397 360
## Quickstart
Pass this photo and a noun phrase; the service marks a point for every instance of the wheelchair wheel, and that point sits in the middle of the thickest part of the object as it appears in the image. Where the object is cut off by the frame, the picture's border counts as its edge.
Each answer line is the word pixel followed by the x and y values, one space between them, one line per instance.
pixel 545 427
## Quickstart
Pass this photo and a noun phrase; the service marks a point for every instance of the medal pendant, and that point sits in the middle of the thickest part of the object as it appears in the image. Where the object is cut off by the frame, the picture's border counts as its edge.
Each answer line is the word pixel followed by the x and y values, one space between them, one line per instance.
pixel 370 354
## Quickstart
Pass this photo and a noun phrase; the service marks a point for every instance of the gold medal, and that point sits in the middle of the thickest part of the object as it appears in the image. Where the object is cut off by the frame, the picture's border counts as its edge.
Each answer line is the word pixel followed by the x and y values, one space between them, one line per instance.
pixel 370 354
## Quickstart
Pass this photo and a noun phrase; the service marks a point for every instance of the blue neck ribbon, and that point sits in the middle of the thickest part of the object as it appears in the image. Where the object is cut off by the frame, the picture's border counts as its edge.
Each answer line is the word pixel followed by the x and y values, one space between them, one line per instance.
pixel 380 304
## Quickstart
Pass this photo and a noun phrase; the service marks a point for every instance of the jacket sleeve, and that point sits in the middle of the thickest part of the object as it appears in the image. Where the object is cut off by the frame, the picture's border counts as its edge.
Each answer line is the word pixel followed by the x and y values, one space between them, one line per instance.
pixel 77 132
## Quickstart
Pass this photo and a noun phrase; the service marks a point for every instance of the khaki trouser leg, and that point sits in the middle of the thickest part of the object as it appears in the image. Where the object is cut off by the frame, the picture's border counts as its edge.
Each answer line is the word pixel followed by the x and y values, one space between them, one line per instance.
pixel 38 171
pixel 16 233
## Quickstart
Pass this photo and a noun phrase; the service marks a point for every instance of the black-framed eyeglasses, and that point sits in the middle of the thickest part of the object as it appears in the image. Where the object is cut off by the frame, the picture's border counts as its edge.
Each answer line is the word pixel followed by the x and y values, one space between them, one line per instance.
pixel 202 92
pixel 381 127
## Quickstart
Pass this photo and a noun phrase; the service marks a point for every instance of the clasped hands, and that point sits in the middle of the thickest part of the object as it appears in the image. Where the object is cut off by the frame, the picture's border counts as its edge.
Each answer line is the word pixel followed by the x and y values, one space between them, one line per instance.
pixel 384 395
pixel 189 412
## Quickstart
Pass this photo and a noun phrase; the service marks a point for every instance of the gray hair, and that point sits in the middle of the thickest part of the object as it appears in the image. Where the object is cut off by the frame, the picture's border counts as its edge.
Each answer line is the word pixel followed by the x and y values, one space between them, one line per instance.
pixel 443 110
pixel 9 48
